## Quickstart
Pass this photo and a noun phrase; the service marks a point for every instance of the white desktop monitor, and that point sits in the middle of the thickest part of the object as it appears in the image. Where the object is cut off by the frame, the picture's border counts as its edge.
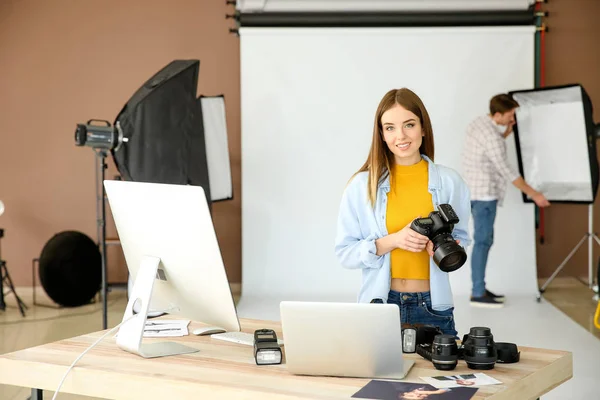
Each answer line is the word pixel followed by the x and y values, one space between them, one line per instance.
pixel 173 256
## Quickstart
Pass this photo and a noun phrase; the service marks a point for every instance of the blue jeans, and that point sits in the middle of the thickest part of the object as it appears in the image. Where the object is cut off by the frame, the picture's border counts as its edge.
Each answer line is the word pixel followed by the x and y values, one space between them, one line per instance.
pixel 415 308
pixel 484 215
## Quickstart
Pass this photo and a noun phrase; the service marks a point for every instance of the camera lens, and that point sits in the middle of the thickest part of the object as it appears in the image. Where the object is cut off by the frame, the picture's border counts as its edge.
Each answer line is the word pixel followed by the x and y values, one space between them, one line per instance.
pixel 448 255
pixel 444 352
pixel 480 349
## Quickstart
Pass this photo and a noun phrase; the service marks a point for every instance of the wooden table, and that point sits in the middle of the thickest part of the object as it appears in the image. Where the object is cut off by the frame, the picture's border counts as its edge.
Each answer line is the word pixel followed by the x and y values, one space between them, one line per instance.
pixel 228 371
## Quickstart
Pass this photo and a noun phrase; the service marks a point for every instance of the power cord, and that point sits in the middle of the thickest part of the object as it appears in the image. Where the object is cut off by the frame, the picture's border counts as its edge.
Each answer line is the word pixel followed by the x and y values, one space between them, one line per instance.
pixel 88 349
pixel 95 343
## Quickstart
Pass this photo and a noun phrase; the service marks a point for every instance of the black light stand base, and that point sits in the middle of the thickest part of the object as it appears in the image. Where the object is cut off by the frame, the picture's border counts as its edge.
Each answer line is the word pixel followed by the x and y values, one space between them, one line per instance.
pixel 539 295
pixel 590 237
pixel 6 280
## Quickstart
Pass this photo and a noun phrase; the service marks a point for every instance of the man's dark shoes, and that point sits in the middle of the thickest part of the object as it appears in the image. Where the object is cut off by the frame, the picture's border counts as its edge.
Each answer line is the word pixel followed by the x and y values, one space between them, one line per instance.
pixel 498 297
pixel 486 301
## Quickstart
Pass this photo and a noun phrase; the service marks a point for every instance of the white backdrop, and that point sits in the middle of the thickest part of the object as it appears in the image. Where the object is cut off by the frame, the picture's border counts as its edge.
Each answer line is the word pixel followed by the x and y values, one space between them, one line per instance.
pixel 308 101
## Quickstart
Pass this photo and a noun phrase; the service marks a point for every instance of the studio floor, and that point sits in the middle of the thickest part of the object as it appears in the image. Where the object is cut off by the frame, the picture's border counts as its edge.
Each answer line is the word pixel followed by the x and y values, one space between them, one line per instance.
pixel 563 320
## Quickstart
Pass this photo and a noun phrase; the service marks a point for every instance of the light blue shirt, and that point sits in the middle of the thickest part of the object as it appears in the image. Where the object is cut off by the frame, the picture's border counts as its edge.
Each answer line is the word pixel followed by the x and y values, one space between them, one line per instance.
pixel 360 224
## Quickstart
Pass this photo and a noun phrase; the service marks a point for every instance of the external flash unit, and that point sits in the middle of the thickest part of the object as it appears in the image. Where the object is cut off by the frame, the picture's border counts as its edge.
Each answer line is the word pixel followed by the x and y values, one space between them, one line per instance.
pixel 409 340
pixel 266 348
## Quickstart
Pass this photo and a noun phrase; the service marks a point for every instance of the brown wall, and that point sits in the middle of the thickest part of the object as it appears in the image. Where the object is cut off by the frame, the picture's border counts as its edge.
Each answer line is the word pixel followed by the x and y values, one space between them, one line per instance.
pixel 63 62
pixel 572 56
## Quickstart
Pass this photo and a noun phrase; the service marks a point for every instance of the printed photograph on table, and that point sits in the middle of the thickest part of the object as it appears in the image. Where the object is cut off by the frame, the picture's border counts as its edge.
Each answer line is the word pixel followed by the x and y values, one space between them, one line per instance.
pixel 465 380
pixel 384 390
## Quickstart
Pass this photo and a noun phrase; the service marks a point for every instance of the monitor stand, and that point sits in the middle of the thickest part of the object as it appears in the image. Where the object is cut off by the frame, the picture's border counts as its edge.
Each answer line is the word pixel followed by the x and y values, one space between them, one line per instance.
pixel 131 332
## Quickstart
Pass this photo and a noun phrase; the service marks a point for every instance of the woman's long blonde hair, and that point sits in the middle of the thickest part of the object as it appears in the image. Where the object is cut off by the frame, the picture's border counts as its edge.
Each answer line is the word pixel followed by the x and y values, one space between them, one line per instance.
pixel 380 159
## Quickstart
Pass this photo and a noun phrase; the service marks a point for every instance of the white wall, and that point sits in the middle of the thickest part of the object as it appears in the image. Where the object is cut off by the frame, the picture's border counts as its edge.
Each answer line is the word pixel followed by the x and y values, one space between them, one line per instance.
pixel 308 101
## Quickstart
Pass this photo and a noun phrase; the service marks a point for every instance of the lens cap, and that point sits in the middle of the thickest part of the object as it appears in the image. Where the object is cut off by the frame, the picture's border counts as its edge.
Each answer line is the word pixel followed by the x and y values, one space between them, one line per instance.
pixel 508 353
pixel 444 339
pixel 480 331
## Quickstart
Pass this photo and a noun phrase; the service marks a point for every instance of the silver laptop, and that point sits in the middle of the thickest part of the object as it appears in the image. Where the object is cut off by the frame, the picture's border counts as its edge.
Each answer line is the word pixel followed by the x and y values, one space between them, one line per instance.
pixel 343 339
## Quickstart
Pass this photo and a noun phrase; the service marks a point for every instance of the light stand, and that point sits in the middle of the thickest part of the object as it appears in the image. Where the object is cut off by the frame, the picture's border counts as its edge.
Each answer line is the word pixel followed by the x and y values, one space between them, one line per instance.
pixel 5 278
pixel 101 228
pixel 102 138
pixel 158 136
pixel 589 235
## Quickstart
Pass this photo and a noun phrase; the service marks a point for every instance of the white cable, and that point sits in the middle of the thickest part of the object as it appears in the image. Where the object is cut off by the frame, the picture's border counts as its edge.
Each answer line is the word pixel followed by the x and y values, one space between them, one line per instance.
pixel 86 350
pixel 93 345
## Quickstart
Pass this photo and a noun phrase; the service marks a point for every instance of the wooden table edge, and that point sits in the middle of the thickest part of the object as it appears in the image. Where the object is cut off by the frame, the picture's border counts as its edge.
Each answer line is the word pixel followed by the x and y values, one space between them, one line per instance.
pixel 529 385
pixel 561 369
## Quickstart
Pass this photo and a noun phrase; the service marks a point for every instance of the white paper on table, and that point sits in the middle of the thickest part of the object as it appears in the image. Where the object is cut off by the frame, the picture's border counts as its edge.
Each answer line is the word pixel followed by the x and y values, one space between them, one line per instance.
pixel 463 380
pixel 166 328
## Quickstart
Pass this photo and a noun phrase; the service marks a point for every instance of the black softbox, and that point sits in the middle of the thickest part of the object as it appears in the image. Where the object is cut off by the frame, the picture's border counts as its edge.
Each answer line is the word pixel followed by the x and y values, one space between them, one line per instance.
pixel 163 131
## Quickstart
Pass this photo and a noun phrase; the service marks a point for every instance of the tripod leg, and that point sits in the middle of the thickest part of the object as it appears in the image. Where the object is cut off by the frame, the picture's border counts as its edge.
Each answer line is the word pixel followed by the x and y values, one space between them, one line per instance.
pixel 20 302
pixel 2 303
pixel 596 286
pixel 6 277
pixel 561 266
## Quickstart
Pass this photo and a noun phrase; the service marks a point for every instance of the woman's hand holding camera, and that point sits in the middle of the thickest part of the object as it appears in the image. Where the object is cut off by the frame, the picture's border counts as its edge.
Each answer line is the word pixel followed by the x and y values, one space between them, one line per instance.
pixel 406 239
pixel 410 240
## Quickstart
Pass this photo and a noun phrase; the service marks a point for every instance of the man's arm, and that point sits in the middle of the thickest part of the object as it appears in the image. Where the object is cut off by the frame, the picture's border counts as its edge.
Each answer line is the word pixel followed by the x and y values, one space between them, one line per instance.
pixel 524 187
pixel 539 199
pixel 496 152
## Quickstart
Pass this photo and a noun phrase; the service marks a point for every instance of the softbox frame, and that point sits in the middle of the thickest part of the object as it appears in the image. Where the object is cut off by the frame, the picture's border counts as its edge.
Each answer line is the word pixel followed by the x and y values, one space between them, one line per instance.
pixel 556 143
pixel 163 130
pixel 217 147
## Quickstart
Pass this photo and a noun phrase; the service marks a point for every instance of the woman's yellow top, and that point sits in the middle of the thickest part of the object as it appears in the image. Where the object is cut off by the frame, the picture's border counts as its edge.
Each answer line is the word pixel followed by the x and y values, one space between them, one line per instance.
pixel 408 199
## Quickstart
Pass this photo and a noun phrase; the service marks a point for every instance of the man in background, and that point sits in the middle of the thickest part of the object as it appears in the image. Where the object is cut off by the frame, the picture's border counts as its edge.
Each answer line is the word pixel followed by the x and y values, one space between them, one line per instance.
pixel 487 171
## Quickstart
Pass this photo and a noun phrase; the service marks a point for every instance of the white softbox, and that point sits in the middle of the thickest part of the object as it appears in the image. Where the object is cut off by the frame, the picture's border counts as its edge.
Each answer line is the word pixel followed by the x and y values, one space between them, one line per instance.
pixel 217 147
pixel 556 143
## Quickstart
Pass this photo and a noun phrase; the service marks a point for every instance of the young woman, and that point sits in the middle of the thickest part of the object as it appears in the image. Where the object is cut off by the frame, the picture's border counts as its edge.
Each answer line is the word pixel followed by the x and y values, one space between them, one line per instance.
pixel 398 183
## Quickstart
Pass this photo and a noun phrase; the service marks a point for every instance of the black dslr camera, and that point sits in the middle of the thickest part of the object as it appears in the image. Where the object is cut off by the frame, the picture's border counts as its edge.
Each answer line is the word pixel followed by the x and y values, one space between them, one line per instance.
pixel 447 254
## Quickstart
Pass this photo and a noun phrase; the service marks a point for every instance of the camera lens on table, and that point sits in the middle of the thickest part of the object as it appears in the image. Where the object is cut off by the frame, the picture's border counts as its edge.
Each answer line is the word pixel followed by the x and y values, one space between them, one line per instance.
pixel 444 352
pixel 480 349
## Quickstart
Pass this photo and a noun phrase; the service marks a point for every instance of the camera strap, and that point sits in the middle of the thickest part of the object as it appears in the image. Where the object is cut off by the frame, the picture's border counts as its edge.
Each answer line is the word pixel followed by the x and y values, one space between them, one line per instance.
pixel 508 353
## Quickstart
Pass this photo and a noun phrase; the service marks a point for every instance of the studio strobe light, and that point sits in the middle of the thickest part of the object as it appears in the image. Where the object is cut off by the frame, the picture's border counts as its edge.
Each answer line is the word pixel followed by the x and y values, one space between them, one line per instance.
pixel 102 136
pixel 165 133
